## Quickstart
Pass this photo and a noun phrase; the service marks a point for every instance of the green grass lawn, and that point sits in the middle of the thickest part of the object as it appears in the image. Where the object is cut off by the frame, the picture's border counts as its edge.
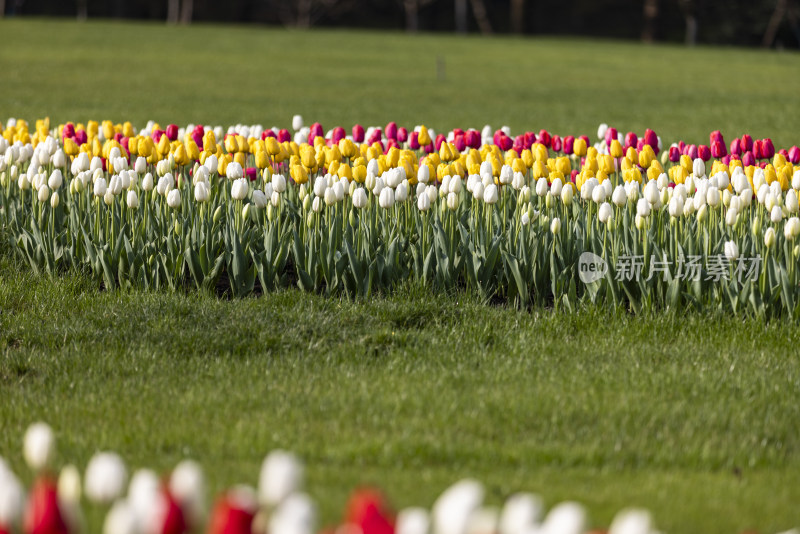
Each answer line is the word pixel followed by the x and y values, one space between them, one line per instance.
pixel 694 417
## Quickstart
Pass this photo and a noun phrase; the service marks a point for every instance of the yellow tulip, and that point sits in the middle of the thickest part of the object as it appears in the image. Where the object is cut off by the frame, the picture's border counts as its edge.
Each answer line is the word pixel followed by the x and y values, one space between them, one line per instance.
pixel 555 174
pixel 299 174
pixel 433 159
pixel 646 156
pixel 70 147
pixel 393 157
pixel 519 166
pixel 686 163
pixel 474 168
pixel 346 147
pixel 539 170
pixel 181 157
pixel 591 164
pixel 333 167
pixel 769 174
pixel 192 150
pixel 242 143
pixel 344 171
pixel 423 137
pixel 778 161
pixel 231 145
pixel 108 129
pixel 163 146
pixel 652 172
pixel 579 147
pixel 527 158
pixel 626 164
pixel 601 175
pixel 222 164
pixel 616 149
pixel 308 156
pixel 605 162
pixel 539 152
pixel 360 173
pixel 563 165
pixel 262 160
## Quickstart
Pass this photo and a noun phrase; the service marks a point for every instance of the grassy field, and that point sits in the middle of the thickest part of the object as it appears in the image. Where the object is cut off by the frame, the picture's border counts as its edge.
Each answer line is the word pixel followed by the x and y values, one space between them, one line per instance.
pixel 691 416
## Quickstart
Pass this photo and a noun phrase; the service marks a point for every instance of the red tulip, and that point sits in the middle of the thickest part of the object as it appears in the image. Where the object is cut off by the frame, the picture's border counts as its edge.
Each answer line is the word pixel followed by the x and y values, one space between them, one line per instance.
pixel 682 147
pixel 747 143
pixel 569 141
pixel 174 519
pixel 674 154
pixel 758 149
pixel 42 515
pixel 284 135
pixel 704 152
pixel 748 159
pixel 505 143
pixel 530 138
pixel 630 140
pixel 391 130
pixel 767 148
pixel 650 138
pixel 172 132
pixel 718 149
pixel 391 143
pixel 358 133
pixel 794 155
pixel 726 159
pixel 716 135
pixel 460 142
pixel 428 148
pixel 368 509
pixel 402 135
pixel 573 175
pixel 265 134
pixel 640 145
pixel 556 143
pixel 251 173
pixel 736 146
pixel 81 137
pixel 68 131
pixel 124 142
pixel 413 141
pixel 585 140
pixel 473 139
pixel 545 138
pixel 230 518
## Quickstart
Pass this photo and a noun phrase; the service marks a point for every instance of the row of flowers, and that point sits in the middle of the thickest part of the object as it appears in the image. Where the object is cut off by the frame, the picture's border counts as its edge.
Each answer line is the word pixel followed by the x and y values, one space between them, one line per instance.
pixel 501 216
pixel 146 503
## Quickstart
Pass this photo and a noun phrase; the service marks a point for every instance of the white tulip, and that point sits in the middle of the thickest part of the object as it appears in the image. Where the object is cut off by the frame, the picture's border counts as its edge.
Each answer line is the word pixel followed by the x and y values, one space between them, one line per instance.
pixel 601 131
pixel 555 226
pixel 604 212
pixel 121 519
pixel 453 508
pixel 174 199
pixel 187 484
pixel 713 197
pixel 730 216
pixel 588 188
pixel 132 200
pixel 541 186
pixel 632 190
pixel 619 197
pixel 490 194
pixel 432 193
pixel 413 521
pixel 105 478
pixel 359 198
pixel 791 229
pixel 39 446
pixel 379 187
pixel 565 518
pixel 769 237
pixel 401 193
pixel 329 197
pixel 445 187
pixel 521 514
pixel 651 192
pixel 796 180
pixel 791 201
pixel 43 193
pixel 278 183
pixel 518 181
pixel 632 521
pixel 100 187
pixel 240 188
pixel 141 165
pixel 297 122
pixel 556 187
pixel 776 215
pixel 455 185
pixel 477 191
pixel 698 167
pixel 759 178
pixel 599 194
pixel 423 202
pixel 211 163
pixel 386 198
pixel 59 158
pixel 147 182
pixel 115 185
pixel 567 194
pixel 260 199
pixel 452 201
pixel 643 208
pixel 296 515
pixel 234 171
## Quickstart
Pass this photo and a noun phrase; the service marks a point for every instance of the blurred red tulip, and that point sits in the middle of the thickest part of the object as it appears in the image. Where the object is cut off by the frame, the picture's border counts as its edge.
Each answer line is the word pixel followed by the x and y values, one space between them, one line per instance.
pixel 172 132
pixel 748 159
pixel 718 149
pixel 569 141
pixel 747 143
pixel 391 130
pixel 413 141
pixel 337 135
pixel 674 154
pixel 767 148
pixel 315 130
pixel 545 138
pixel 555 142
pixel 42 515
pixel 704 152
pixel 284 135
pixel 611 134
pixel 368 509
pixel 794 155
pixel 631 140
pixel 402 135
pixel 650 138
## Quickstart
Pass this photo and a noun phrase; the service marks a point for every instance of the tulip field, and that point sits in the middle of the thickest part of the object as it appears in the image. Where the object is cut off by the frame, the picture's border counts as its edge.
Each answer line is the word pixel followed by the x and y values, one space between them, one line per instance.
pixel 520 270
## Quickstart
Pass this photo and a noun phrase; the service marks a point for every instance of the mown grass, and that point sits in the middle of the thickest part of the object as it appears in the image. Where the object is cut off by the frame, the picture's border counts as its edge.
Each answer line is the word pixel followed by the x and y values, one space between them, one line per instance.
pixel 691 416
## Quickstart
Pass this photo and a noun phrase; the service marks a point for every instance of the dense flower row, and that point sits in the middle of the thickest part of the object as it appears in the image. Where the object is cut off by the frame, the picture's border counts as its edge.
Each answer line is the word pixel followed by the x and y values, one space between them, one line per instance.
pixel 176 504
pixel 709 226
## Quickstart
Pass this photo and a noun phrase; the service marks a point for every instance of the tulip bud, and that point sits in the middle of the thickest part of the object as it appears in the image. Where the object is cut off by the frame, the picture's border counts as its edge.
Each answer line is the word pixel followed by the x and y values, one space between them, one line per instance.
pixel 490 194
pixel 246 212
pixel 769 237
pixel 310 219
pixel 555 226
pixel 567 194
pixel 44 193
pixel 702 213
pixel 217 214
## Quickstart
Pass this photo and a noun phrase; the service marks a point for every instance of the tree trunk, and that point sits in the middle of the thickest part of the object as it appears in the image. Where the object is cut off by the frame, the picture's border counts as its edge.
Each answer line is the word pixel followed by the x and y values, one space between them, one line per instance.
pixel 479 8
pixel 517 14
pixel 304 13
pixel 412 15
pixel 774 24
pixel 650 15
pixel 173 7
pixel 461 16
pixel 186 11
pixel 83 9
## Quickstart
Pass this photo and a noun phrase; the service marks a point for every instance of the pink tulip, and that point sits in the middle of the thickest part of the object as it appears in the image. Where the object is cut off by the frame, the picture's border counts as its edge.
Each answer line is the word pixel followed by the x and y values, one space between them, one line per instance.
pixel 68 131
pixel 748 159
pixel 726 159
pixel 640 145
pixel 611 134
pixel 251 173
pixel 682 147
pixel 573 175
pixel 402 135
pixel 545 138
pixel 691 151
pixel 81 137
pixel 428 148
pixel 316 130
pixel 473 139
pixel 718 149
pixel 736 146
pixel 391 143
pixel 674 154
pixel 460 143
pixel 265 134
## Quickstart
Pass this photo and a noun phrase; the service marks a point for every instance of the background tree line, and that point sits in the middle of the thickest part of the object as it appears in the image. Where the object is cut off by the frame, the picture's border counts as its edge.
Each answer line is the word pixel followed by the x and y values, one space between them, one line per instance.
pixel 736 22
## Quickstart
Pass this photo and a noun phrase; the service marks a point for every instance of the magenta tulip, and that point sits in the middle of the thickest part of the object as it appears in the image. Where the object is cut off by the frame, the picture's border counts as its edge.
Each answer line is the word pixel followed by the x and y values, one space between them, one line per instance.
pixel 736 146
pixel 402 135
pixel 794 155
pixel 767 148
pixel 413 141
pixel 438 142
pixel 611 134
pixel 569 142
pixel 545 138
pixel 68 131
pixel 747 143
pixel 391 130
pixel 718 149
pixel 358 133
pixel 748 159
pixel 691 151
pixel 337 135
pixel 674 154
pixel 172 132
pixel 81 137
pixel 630 140
pixel 650 138
pixel 704 152
pixel 460 142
